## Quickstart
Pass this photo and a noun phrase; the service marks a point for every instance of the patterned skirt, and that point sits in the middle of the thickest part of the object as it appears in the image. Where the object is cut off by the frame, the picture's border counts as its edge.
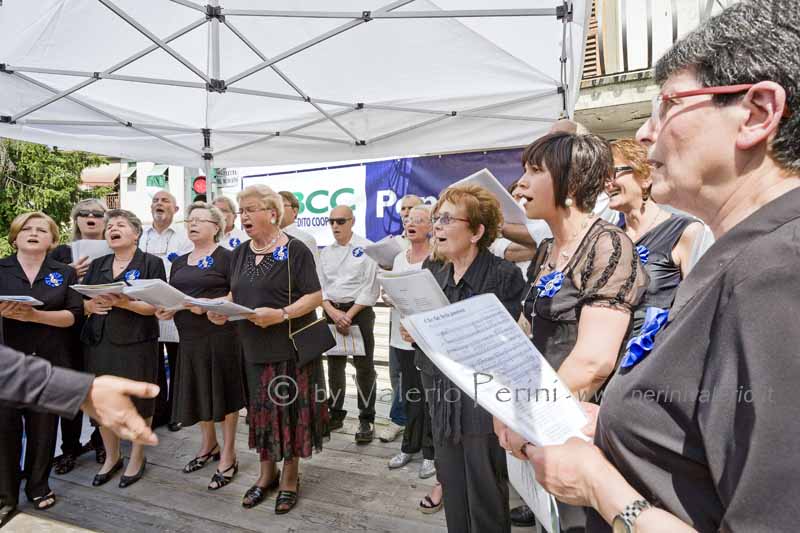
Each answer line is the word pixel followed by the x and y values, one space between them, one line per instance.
pixel 288 412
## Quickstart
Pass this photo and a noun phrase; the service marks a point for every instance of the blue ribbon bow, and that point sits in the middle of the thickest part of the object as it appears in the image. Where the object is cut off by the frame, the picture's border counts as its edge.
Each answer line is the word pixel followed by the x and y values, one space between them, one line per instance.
pixel 281 253
pixel 233 242
pixel 550 284
pixel 205 263
pixel 54 279
pixel 133 274
pixel 640 346
pixel 644 253
pixel 172 257
pixel 358 251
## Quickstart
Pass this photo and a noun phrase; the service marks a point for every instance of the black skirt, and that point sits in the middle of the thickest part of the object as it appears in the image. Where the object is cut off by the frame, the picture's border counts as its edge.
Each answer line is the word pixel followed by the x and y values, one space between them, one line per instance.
pixel 208 379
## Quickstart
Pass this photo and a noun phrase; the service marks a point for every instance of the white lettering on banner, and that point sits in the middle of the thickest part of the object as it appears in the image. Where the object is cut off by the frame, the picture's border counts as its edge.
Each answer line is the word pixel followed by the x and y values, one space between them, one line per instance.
pixel 384 198
pixel 318 192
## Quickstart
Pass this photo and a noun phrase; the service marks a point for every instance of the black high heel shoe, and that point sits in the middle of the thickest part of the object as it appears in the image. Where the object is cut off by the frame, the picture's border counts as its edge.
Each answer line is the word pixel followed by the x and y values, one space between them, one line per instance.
pixel 102 479
pixel 219 479
pixel 127 481
pixel 201 460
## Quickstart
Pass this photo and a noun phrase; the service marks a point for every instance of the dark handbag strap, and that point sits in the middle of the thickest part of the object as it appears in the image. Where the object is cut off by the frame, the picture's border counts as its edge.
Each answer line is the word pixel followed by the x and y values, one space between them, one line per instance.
pixel 289 268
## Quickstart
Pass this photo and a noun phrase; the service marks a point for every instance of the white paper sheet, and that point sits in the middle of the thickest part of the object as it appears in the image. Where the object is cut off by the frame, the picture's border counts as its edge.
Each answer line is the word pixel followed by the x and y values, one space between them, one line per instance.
pixel 484 352
pixel 156 292
pixel 413 291
pixel 384 251
pixel 21 299
pixel 168 331
pixel 541 502
pixel 92 291
pixel 352 344
pixel 89 248
pixel 223 307
pixel 512 212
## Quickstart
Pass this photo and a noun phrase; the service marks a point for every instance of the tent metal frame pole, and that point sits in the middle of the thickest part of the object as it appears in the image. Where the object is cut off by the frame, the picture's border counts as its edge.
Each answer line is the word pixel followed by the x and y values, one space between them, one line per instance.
pixel 270 136
pixel 96 76
pixel 455 13
pixel 107 114
pixel 190 5
pixel 104 124
pixel 254 92
pixel 405 109
pixel 114 68
pixel 308 44
pixel 288 81
pixel 505 117
pixel 161 44
pixel 315 138
pixel 407 129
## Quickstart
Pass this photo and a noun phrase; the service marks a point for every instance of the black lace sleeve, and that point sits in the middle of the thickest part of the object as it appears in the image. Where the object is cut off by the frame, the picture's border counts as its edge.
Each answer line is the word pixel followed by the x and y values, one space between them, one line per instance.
pixel 608 272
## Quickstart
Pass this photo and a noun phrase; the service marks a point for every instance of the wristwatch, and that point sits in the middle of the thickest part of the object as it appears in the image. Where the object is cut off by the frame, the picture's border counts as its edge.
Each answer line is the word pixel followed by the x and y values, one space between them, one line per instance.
pixel 623 522
pixel 285 315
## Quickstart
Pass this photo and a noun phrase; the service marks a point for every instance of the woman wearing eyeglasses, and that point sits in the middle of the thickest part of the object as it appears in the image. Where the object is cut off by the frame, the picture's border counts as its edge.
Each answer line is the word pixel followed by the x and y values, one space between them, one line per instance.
pixel 286 412
pixel 87 224
pixel 664 241
pixel 208 378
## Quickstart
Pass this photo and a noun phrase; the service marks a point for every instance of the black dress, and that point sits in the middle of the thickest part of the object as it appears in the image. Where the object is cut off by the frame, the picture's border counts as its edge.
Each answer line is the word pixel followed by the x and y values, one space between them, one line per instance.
pixel 123 343
pixel 51 286
pixel 208 378
pixel 287 408
pixel 655 252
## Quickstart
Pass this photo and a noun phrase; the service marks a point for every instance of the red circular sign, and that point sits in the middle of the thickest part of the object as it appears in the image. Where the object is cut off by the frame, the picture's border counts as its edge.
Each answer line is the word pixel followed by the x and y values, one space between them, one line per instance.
pixel 199 185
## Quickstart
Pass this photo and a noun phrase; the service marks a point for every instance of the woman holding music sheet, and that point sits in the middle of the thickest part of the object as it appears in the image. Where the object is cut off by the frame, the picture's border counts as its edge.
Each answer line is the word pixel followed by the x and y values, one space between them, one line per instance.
pixel 87 224
pixel 120 335
pixel 208 378
pixel 275 274
pixel 34 330
pixel 586 281
pixel 471 465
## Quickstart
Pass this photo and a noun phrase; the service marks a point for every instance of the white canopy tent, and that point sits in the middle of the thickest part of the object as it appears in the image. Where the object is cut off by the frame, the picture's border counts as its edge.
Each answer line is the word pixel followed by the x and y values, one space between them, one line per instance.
pixel 233 84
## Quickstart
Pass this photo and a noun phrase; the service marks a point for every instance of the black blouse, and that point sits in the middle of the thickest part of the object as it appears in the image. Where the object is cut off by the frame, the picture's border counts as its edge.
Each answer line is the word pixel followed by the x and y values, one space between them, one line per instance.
pixel 267 285
pixel 50 286
pixel 487 274
pixel 208 279
pixel 62 253
pixel 604 271
pixel 121 326
pixel 705 426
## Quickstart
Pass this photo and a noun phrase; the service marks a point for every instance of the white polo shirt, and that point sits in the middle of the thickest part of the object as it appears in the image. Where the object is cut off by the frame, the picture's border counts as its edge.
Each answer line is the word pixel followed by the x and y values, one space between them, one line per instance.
pixel 347 274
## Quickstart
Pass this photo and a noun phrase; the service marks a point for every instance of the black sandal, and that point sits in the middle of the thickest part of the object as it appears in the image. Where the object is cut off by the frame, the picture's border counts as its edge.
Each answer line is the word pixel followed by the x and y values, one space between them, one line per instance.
pixel 286 500
pixel 202 460
pixel 221 479
pixel 256 494
pixel 40 503
pixel 64 464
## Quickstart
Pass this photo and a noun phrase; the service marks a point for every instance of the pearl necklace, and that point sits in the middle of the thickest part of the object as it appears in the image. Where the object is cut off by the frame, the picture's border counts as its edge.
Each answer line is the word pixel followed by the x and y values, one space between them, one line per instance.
pixel 263 251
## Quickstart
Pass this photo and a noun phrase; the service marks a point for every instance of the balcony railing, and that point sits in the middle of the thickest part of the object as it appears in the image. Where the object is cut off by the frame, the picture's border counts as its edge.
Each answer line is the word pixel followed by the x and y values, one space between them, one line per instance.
pixel 628 36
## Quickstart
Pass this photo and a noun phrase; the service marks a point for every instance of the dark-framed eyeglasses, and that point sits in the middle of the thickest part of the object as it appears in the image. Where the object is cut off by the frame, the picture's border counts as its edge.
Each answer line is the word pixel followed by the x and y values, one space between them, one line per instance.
pixel 339 221
pixel 91 213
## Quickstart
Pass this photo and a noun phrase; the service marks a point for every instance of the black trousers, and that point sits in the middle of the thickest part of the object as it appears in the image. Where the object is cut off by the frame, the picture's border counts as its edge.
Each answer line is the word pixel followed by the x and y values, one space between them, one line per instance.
pixel 163 412
pixel 417 435
pixel 474 479
pixel 365 371
pixel 71 427
pixel 40 433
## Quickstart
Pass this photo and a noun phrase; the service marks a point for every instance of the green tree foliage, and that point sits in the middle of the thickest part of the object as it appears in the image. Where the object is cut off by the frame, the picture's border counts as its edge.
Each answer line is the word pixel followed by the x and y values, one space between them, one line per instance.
pixel 34 177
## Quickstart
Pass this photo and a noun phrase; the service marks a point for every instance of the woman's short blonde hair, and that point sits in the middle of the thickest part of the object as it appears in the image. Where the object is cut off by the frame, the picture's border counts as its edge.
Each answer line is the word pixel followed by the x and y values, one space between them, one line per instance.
pixel 19 222
pixel 216 216
pixel 268 198
pixel 227 201
pixel 88 203
pixel 480 206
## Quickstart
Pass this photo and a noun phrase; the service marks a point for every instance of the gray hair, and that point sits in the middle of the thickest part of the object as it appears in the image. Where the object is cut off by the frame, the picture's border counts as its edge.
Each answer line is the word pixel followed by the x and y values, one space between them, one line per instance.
pixel 132 219
pixel 88 203
pixel 750 42
pixel 264 194
pixel 216 216
pixel 227 201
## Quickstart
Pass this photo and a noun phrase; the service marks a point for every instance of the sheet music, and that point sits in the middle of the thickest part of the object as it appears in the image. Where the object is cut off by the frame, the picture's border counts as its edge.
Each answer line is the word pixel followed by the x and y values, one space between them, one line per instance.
pixel 223 307
pixel 352 344
pixel 479 346
pixel 168 331
pixel 156 292
pixel 413 291
pixel 92 291
pixel 91 248
pixel 512 212
pixel 384 251
pixel 22 300
pixel 541 502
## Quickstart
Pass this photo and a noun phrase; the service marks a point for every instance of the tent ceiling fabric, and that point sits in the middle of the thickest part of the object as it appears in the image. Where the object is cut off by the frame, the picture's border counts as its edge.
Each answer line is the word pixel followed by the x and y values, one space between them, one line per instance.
pixel 171 81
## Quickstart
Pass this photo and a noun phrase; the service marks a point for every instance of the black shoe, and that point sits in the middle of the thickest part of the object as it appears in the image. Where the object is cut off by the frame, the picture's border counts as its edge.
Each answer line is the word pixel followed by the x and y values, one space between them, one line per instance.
pixel 175 426
pixel 102 479
pixel 64 464
pixel 333 425
pixel 365 433
pixel 100 455
pixel 522 516
pixel 127 481
pixel 7 512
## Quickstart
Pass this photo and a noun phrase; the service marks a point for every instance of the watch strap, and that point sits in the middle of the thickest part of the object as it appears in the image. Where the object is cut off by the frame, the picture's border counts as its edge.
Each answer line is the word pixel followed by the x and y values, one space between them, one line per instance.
pixel 632 511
